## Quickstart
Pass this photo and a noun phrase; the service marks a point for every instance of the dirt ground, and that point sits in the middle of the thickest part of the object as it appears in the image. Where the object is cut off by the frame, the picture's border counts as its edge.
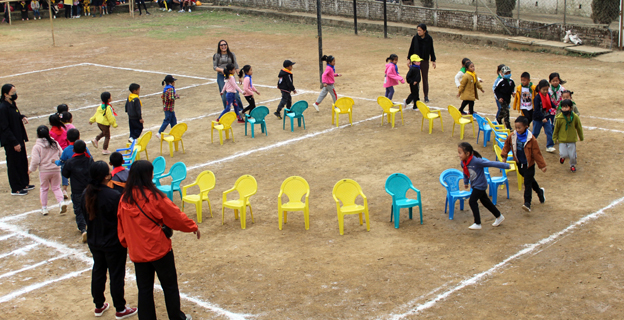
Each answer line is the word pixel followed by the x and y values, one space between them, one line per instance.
pixel 265 273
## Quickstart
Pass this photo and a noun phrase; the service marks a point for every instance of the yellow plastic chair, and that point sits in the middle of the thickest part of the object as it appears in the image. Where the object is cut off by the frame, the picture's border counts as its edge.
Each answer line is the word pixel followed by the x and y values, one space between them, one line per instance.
pixel 205 181
pixel 343 105
pixel 497 127
pixel 173 137
pixel 512 164
pixel 224 124
pixel 390 109
pixel 346 191
pixel 461 120
pixel 142 145
pixel 246 186
pixel 429 115
pixel 294 188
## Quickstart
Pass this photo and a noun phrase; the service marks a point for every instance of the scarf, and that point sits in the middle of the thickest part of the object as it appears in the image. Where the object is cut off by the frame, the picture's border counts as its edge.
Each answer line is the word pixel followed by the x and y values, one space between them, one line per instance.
pixel 415 66
pixel 530 87
pixel 522 137
pixel 104 105
pixel 463 70
pixel 571 119
pixel 333 67
pixel 286 70
pixel 473 75
pixel 167 87
pixel 81 154
pixel 545 101
pixel 117 170
pixel 396 68
pixel 132 96
pixel 555 89
pixel 250 83
pixel 466 163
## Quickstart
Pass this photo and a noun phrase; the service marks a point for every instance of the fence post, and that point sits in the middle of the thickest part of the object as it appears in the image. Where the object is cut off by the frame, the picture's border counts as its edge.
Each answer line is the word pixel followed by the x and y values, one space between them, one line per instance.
pixel 355 16
pixel 385 19
pixel 518 19
pixel 565 7
pixel 620 36
pixel 320 40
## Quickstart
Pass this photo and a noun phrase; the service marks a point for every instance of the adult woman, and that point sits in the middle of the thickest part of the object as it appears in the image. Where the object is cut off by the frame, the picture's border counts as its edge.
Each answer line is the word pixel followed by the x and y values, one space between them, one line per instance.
pixel 143 210
pixel 99 206
pixel 13 137
pixel 422 45
pixel 221 59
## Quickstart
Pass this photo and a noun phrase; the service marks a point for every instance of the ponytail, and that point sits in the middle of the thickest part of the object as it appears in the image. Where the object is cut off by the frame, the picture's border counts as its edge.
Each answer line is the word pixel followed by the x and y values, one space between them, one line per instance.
pixel 467 147
pixel 392 57
pixel 98 172
pixel 44 133
pixel 227 72
pixel 55 121
pixel 244 71
pixel 329 59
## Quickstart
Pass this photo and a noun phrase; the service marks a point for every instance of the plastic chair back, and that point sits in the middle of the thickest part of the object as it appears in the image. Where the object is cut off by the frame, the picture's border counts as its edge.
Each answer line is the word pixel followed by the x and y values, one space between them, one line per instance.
pixel 144 140
pixel 450 179
pixel 344 104
pixel 423 108
pixel 295 188
pixel 160 165
pixel 455 114
pixel 258 113
pixel 227 119
pixel 347 190
pixel 481 122
pixel 206 181
pixel 246 186
pixel 299 107
pixel 397 185
pixel 385 103
pixel 178 173
pixel 178 130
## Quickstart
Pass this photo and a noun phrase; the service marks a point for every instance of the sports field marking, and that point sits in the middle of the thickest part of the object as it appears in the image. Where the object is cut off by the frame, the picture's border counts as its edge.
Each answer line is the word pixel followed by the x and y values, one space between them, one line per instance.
pixel 19 251
pixel 42 70
pixel 7 236
pixel 33 287
pixel 529 249
pixel 12 273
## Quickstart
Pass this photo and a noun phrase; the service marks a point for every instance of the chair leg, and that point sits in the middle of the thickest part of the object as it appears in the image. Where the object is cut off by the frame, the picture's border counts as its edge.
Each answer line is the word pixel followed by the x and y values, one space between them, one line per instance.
pixel 221 137
pixel 461 133
pixel 367 219
pixel 292 124
pixel 382 118
pixel 299 122
pixel 251 213
pixel 410 213
pixel 222 215
pixel 303 119
pixel 232 132
pixel 494 192
pixel 337 119
pixel 402 121
pixel 351 118
pixel 341 223
pixel 391 212
pixel 397 214
pixel 243 218
pixel 507 185
pixel 451 204
pixel 422 124
pixel 420 208
pixel 211 137
pixel 209 206
pixel 161 147
pixel 441 125
pixel 246 128
pixel 473 129
pixel 361 221
pixel 198 208
pixel 279 218
pixel 306 217
pixel 430 125
pixel 171 149
pixel 252 131
pixel 393 117
pixel 285 217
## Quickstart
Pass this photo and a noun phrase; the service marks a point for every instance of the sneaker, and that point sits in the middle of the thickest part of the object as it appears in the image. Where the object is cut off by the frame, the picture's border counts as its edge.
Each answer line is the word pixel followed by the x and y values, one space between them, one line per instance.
pixel 84 236
pixel 158 136
pixel 475 226
pixel 147 13
pixel 127 313
pixel 542 195
pixel 19 193
pixel 130 140
pixel 30 187
pixel 65 196
pixel 241 121
pixel 464 113
pixel 44 211
pixel 426 99
pixel 551 149
pixel 561 160
pixel 573 169
pixel 278 115
pixel 526 207
pixel 498 221
pixel 181 10
pixel 188 317
pixel 94 143
pixel 106 152
pixel 100 311
pixel 315 105
pixel 189 10
pixel 62 208
pixel 404 103
pixel 169 10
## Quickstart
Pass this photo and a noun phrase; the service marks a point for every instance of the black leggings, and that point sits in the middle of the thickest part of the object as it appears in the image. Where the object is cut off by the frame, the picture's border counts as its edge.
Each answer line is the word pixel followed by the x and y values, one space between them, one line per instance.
pixel 470 105
pixel 252 104
pixel 139 2
pixel 485 200
pixel 528 173
pixel 528 114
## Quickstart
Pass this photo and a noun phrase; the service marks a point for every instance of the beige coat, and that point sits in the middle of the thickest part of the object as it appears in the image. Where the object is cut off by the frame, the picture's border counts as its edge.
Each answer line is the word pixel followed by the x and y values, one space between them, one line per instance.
pixel 468 88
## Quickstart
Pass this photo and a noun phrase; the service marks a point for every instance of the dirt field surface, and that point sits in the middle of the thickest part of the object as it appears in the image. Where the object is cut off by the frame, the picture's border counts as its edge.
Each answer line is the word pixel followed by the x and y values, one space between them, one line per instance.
pixel 561 261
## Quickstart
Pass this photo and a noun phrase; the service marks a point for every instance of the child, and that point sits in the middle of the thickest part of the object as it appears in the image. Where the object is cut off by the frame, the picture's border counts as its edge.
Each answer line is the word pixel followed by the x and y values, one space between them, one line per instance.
pixel 87 7
pixel 76 169
pixel 499 77
pixel 473 164
pixel 525 93
pixel 139 2
pixel 526 153
pixel 286 85
pixel 567 127
pixel 230 89
pixel 58 131
pixel 119 175
pixel 133 109
pixel 105 118
pixel 503 91
pixel 468 88
pixel 542 110
pixel 185 4
pixel 169 97
pixel 248 88
pixel 67 120
pixel 67 5
pixel 461 72
pixel 35 6
pixel 72 136
pixel 44 155
pixel 392 76
pixel 24 10
pixel 567 94
pixel 413 78
pixel 328 81
pixel 62 108
pixel 555 90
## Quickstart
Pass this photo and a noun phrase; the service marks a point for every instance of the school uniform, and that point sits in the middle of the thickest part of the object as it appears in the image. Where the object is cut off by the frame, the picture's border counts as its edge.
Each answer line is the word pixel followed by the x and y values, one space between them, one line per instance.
pixel 504 89
pixel 526 154
pixel 133 109
pixel 523 100
pixel 566 131
pixel 413 75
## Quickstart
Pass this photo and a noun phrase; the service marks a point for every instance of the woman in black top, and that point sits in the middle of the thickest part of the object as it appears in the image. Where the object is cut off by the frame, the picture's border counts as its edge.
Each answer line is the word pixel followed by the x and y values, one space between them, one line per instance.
pixel 422 45
pixel 99 206
pixel 13 137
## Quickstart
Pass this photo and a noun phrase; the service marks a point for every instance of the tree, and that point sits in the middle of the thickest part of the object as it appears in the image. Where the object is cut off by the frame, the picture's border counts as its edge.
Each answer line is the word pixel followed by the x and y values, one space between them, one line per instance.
pixel 504 8
pixel 605 11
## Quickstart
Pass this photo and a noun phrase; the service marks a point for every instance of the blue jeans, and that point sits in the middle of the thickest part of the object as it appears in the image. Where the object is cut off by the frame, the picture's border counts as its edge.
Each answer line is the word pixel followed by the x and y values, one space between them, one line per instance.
pixel 170 119
pixel 230 98
pixel 221 83
pixel 498 106
pixel 548 128
pixel 389 92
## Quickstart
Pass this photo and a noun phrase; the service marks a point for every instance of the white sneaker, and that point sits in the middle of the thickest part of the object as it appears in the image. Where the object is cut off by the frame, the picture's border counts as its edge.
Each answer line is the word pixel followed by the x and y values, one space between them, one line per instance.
pixel 44 211
pixel 498 221
pixel 475 226
pixel 62 208
pixel 189 10
pixel 130 140
pixel 169 10
pixel 551 149
pixel 158 136
pixel 315 105
pixel 404 103
pixel 181 10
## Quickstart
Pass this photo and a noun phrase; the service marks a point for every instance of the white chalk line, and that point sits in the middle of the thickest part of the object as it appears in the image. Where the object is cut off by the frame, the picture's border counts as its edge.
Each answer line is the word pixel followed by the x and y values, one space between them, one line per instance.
pixel 39 285
pixel 7 236
pixel 12 273
pixel 496 268
pixel 19 251
pixel 42 70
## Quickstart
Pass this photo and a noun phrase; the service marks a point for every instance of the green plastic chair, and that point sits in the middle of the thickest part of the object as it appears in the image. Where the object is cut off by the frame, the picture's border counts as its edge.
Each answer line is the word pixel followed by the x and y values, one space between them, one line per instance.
pixel 256 116
pixel 177 174
pixel 397 186
pixel 160 165
pixel 295 112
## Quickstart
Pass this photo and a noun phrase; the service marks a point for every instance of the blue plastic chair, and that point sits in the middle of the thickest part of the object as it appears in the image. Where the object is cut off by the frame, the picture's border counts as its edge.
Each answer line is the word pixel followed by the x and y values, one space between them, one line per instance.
pixel 295 112
pixel 129 158
pixel 177 174
pixel 450 180
pixel 397 186
pixel 256 116
pixel 494 182
pixel 483 126
pixel 160 165
pixel 127 151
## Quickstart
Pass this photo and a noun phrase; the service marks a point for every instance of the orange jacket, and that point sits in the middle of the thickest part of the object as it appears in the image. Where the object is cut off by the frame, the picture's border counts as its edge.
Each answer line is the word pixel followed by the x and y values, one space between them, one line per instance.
pixel 518 94
pixel 145 240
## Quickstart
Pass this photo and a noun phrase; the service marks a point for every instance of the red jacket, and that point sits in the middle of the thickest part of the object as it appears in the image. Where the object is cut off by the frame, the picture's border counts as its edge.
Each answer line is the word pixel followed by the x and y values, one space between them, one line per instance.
pixel 145 240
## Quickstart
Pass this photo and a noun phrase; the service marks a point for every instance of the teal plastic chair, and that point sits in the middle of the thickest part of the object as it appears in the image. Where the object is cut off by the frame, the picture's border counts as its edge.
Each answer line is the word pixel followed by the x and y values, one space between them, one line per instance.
pixel 483 127
pixel 495 182
pixel 256 116
pixel 397 186
pixel 295 112
pixel 130 158
pixel 177 174
pixel 450 179
pixel 160 165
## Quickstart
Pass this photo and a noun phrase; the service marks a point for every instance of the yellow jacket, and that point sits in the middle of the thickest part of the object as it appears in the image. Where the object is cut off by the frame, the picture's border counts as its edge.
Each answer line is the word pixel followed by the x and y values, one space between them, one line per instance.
pixel 516 104
pixel 468 88
pixel 104 116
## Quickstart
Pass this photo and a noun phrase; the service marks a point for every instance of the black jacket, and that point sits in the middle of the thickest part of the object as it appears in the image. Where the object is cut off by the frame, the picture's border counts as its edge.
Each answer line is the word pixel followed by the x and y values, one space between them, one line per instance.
pixel 285 82
pixel 12 131
pixel 427 52
pixel 413 75
pixel 538 111
pixel 77 170
pixel 133 108
pixel 102 231
pixel 504 89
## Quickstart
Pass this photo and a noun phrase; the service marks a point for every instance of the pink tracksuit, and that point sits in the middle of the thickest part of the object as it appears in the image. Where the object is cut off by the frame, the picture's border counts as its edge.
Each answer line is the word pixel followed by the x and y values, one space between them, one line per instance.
pixel 43 157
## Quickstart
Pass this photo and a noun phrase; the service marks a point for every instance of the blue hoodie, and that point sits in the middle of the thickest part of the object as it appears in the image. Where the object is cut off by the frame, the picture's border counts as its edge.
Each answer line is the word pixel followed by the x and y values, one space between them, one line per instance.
pixel 477 174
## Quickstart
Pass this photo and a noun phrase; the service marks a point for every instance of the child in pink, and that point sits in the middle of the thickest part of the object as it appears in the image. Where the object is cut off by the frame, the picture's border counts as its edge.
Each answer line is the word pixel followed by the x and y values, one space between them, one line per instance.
pixel 392 77
pixel 58 132
pixel 248 88
pixel 229 89
pixel 44 155
pixel 328 81
pixel 67 120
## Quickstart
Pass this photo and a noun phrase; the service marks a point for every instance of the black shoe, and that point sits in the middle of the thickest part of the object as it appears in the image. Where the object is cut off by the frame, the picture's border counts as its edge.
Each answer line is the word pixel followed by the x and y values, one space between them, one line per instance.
pixel 30 187
pixel 526 207
pixel 278 115
pixel 426 99
pixel 147 13
pixel 19 193
pixel 542 195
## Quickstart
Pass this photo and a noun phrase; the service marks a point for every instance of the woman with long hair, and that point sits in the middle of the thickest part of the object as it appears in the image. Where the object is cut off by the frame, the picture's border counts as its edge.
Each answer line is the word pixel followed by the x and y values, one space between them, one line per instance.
pixel 422 45
pixel 144 216
pixel 220 60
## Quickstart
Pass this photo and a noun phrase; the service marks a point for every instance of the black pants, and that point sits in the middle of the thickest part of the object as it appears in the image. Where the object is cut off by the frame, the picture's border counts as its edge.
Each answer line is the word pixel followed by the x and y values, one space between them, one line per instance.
pixel 17 167
pixel 414 94
pixel 485 200
pixel 166 271
pixel 529 181
pixel 115 263
pixel 136 127
pixel 252 104
pixel 424 72
pixel 139 2
pixel 285 102
pixel 24 14
pixel 68 11
pixel 470 105
pixel 529 115
pixel 80 219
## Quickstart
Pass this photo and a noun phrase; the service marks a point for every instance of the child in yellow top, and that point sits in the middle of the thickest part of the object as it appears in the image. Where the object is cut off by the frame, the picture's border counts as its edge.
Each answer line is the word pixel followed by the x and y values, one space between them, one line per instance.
pixel 525 93
pixel 105 118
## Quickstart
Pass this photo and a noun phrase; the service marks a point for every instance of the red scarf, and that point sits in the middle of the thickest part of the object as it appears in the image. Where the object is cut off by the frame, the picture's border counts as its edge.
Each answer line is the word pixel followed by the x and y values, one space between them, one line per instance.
pixel 466 163
pixel 545 101
pixel 81 154
pixel 117 170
